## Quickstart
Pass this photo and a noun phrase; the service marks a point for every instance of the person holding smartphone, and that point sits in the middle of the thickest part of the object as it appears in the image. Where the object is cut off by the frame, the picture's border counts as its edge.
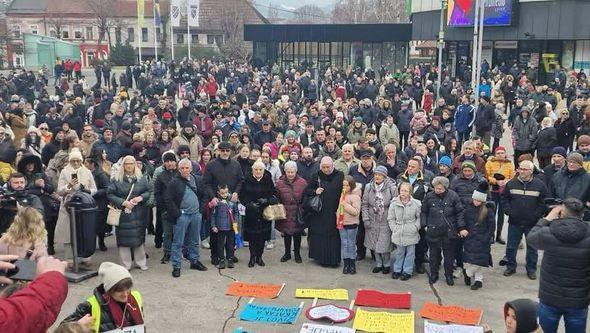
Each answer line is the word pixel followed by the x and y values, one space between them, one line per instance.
pixel 74 177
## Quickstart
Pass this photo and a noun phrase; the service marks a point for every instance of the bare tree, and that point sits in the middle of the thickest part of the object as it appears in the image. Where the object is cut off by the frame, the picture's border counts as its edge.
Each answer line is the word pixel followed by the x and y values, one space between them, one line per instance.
pixel 103 12
pixel 309 14
pixel 370 11
pixel 232 25
pixel 57 22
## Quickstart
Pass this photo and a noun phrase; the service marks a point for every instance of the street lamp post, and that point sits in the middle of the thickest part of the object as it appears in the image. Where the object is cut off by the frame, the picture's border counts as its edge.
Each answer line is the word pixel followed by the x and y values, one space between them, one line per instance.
pixel 441 37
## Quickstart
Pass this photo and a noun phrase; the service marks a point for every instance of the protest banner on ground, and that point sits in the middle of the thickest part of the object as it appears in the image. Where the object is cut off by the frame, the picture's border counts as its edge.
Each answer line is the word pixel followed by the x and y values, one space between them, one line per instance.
pixel 384 322
pixel 430 327
pixel 330 312
pixel 377 299
pixel 333 294
pixel 313 328
pixel 258 290
pixel 451 313
pixel 270 314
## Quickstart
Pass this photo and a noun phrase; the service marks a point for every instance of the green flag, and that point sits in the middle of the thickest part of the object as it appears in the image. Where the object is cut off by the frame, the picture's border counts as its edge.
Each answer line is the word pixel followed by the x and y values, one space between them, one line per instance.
pixel 409 7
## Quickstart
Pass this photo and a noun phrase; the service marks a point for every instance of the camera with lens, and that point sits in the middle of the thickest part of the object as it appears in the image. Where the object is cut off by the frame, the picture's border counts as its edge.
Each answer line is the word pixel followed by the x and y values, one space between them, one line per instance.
pixel 9 198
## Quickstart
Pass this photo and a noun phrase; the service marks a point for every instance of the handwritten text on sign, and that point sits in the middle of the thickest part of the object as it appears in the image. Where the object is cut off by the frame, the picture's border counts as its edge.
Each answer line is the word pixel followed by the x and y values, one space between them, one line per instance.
pixel 437 328
pixel 384 322
pixel 313 328
pixel 333 294
pixel 254 290
pixel 451 313
pixel 377 299
pixel 270 314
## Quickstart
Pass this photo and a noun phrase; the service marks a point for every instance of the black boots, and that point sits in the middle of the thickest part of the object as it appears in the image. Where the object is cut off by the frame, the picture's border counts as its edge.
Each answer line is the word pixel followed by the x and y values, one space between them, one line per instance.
pixel 252 261
pixel 286 257
pixel 349 266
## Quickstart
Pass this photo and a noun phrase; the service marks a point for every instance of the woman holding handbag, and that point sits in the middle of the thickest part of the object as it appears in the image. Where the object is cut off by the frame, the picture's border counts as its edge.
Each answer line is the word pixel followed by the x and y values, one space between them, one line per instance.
pixel 258 192
pixel 129 192
pixel 290 189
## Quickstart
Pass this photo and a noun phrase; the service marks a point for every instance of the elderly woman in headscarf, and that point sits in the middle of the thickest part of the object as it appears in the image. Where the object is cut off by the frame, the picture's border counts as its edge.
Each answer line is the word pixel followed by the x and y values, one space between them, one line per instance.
pixel 323 236
pixel 379 193
pixel 290 189
pixel 74 177
pixel 129 191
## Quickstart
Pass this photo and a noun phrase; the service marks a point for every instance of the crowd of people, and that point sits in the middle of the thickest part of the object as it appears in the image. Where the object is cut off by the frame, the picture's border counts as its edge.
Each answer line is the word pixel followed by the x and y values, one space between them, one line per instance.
pixel 363 163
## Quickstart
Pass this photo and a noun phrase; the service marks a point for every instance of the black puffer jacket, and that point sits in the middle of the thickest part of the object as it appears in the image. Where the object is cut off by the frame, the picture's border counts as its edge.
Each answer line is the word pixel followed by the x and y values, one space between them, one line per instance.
pixel 477 245
pixel 442 215
pixel 131 229
pixel 565 270
pixel 220 171
pixel 566 184
pixel 465 187
pixel 524 202
pixel 546 140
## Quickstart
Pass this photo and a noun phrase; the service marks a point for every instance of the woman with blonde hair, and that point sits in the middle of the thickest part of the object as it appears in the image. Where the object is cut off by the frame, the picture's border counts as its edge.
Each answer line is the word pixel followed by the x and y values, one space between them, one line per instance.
pixel 129 191
pixel 25 236
pixel 73 178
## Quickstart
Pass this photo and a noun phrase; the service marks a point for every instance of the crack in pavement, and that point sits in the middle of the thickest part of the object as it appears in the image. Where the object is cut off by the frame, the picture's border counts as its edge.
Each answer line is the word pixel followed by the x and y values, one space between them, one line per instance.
pixel 235 309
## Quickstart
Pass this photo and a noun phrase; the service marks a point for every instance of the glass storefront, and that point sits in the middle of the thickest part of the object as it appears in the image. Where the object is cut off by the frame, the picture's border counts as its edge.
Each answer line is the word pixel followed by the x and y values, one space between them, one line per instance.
pixel 323 54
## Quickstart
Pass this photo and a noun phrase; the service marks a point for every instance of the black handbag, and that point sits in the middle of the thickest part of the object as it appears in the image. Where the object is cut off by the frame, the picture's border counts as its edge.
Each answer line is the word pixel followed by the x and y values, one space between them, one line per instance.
pixel 314 203
pixel 299 214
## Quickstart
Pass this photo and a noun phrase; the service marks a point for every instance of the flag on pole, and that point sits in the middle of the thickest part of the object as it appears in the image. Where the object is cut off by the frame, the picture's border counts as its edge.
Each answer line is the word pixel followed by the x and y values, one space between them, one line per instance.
pixel 140 12
pixel 409 7
pixel 193 13
pixel 175 13
pixel 157 17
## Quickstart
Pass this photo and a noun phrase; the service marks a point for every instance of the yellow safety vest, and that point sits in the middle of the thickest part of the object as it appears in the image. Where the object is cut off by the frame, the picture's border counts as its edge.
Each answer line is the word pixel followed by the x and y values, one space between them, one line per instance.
pixel 96 311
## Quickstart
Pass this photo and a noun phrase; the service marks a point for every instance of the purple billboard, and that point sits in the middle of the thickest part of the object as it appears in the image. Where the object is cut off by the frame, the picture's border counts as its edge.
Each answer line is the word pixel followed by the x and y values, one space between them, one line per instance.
pixel 461 13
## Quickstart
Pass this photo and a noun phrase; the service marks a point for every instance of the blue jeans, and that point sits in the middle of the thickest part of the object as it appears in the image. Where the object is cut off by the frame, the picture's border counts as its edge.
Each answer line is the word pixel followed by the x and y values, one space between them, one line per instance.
pixel 348 243
pixel 189 226
pixel 403 259
pixel 574 319
pixel 515 234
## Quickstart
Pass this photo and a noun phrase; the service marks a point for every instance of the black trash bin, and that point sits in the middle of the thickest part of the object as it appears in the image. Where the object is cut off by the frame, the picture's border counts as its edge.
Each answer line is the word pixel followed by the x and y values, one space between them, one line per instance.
pixel 85 222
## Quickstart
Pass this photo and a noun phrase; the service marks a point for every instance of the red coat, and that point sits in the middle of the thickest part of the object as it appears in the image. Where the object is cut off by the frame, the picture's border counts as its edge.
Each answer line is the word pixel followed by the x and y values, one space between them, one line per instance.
pixel 68 65
pixel 290 226
pixel 212 88
pixel 204 128
pixel 77 66
pixel 34 308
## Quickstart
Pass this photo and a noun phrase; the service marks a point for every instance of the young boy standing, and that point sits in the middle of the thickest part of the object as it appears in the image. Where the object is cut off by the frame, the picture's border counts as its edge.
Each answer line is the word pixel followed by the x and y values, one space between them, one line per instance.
pixel 222 218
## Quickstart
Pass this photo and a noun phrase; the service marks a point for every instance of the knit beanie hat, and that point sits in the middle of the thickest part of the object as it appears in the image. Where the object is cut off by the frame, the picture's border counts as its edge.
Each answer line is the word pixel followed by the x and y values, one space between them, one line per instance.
pixel 559 151
pixel 445 160
pixel 584 140
pixel 75 154
pixel 575 158
pixel 481 193
pixel 500 148
pixel 168 156
pixel 381 169
pixel 470 165
pixel 111 274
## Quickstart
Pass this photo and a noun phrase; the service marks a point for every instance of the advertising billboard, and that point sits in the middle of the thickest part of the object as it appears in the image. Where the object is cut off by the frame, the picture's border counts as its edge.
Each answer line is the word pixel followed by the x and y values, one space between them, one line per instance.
pixel 461 13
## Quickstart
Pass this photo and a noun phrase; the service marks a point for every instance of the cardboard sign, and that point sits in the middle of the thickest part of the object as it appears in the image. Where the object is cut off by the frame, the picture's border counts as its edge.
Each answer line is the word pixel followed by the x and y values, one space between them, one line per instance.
pixel 130 329
pixel 330 312
pixel 258 290
pixel 313 328
pixel 377 299
pixel 384 322
pixel 453 328
pixel 333 294
pixel 270 314
pixel 451 313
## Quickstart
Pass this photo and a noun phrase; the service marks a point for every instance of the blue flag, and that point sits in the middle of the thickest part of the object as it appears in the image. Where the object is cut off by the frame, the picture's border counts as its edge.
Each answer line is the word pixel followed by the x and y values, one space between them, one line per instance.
pixel 157 18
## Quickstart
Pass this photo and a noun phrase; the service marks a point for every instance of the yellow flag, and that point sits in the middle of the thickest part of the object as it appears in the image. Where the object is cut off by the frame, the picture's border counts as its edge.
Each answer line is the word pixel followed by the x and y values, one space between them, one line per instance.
pixel 140 12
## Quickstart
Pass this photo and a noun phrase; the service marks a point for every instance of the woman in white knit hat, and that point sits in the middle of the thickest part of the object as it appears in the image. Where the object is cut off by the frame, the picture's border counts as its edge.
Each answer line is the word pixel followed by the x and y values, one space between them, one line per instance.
pixel 113 305
pixel 74 177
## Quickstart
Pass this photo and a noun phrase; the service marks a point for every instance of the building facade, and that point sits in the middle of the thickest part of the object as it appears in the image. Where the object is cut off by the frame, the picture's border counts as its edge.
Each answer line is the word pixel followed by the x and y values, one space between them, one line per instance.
pixel 543 34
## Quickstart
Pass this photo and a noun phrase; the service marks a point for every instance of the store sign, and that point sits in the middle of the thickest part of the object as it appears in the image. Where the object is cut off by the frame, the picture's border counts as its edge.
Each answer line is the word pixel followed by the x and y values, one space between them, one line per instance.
pixel 506 45
pixel 461 13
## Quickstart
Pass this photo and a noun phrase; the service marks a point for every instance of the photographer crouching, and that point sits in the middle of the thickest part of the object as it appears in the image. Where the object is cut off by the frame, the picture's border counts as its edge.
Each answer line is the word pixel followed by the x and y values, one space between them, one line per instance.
pixel 565 269
pixel 13 194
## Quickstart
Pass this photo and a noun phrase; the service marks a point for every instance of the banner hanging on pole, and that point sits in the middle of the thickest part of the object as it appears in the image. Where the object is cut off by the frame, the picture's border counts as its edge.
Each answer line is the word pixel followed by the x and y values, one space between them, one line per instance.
pixel 175 13
pixel 140 12
pixel 193 13
pixel 157 17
